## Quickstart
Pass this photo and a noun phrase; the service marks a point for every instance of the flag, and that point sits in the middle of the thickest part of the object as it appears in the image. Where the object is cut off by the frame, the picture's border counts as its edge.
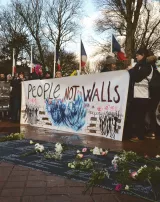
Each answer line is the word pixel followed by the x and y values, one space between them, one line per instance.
pixel 58 64
pixel 117 48
pixel 58 61
pixel 14 70
pixel 83 56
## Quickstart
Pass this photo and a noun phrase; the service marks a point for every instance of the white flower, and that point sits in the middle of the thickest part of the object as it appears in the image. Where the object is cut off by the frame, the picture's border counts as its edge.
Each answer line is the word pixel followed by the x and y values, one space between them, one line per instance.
pixel 96 151
pixel 106 151
pixel 72 166
pixel 39 147
pixel 141 168
pixel 36 145
pixel 31 142
pixel 58 148
pixel 126 187
pixel 158 156
pixel 69 165
pixel 107 174
pixel 78 151
pixel 115 160
pixel 157 168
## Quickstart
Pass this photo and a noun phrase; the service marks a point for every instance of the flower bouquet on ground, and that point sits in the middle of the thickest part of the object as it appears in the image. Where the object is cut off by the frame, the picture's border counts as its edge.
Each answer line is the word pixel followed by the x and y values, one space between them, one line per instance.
pixel 38 148
pixel 57 154
pixel 96 178
pixel 12 136
pixel 132 169
pixel 86 164
pixel 99 151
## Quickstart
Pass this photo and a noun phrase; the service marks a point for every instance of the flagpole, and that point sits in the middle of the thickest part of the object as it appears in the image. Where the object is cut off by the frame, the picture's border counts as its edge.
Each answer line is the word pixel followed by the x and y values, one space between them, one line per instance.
pixel 54 68
pixel 13 65
pixel 111 44
pixel 80 68
pixel 31 59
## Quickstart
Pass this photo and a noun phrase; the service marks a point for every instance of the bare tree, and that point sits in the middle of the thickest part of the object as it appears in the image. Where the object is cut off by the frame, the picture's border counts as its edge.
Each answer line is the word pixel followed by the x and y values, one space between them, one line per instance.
pixel 69 63
pixel 148 29
pixel 31 11
pixel 12 33
pixel 123 16
pixel 61 19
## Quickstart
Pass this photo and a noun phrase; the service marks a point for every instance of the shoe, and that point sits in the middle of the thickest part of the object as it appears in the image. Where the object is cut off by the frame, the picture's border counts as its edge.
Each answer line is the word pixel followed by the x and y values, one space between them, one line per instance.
pixel 134 139
pixel 150 136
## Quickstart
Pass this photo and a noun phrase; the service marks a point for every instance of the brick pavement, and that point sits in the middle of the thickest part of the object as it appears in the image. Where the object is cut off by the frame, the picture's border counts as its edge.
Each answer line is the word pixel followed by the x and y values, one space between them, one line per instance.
pixel 21 184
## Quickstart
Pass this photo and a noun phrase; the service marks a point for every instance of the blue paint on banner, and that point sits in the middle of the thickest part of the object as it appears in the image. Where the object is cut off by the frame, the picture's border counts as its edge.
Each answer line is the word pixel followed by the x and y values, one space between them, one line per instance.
pixel 69 114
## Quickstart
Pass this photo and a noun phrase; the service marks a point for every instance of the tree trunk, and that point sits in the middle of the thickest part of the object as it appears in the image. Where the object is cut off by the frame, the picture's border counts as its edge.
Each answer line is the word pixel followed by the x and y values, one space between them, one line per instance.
pixel 40 53
pixel 129 44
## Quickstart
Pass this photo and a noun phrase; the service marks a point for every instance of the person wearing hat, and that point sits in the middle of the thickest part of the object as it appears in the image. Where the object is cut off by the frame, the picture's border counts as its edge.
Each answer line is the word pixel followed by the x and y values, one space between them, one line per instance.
pixel 140 75
pixel 58 74
pixel 38 72
pixel 110 64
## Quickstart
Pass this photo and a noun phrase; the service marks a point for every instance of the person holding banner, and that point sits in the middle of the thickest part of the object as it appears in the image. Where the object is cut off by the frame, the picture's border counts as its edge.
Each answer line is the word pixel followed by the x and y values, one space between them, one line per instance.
pixel 58 74
pixel 155 99
pixel 110 64
pixel 2 77
pixel 16 97
pixel 140 76
pixel 38 73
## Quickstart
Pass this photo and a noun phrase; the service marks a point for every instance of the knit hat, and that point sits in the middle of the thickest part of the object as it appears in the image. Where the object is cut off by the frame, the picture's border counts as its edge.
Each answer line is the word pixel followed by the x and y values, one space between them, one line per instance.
pixel 110 60
pixel 142 51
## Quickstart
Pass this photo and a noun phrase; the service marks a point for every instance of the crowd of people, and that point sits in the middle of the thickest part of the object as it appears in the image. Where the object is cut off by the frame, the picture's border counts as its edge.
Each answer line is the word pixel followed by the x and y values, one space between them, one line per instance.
pixel 15 90
pixel 143 100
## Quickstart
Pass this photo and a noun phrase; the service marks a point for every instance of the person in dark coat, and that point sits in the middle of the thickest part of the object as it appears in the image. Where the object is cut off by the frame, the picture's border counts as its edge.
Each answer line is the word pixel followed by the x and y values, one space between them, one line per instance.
pixel 140 76
pixel 155 99
pixel 16 96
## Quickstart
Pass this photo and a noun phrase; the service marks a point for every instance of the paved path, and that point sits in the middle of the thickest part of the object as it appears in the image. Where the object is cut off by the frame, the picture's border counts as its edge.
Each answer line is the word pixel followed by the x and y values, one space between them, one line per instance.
pixel 21 184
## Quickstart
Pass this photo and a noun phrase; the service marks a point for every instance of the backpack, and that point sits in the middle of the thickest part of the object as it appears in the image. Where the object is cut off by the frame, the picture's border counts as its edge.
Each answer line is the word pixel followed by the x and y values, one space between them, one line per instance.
pixel 154 84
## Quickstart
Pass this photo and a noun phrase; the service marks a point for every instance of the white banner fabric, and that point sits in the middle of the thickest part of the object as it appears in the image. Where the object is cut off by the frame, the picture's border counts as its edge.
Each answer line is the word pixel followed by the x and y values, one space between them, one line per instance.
pixel 88 104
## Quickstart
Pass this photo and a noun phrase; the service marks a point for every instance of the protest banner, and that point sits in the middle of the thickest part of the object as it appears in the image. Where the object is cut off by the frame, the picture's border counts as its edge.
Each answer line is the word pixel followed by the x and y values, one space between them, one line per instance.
pixel 4 95
pixel 88 104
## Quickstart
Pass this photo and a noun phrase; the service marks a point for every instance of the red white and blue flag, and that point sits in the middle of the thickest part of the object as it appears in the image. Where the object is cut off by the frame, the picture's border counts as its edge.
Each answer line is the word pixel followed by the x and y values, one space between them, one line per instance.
pixel 117 48
pixel 58 62
pixel 58 65
pixel 83 56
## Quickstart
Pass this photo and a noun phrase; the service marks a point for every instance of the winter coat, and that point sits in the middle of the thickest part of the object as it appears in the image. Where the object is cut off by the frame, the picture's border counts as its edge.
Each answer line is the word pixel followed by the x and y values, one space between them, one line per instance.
pixel 16 88
pixel 139 79
pixel 35 76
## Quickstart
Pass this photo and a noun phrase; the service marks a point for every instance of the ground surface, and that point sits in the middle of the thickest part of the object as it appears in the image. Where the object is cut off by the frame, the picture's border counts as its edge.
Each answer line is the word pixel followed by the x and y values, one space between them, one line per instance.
pixel 21 184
